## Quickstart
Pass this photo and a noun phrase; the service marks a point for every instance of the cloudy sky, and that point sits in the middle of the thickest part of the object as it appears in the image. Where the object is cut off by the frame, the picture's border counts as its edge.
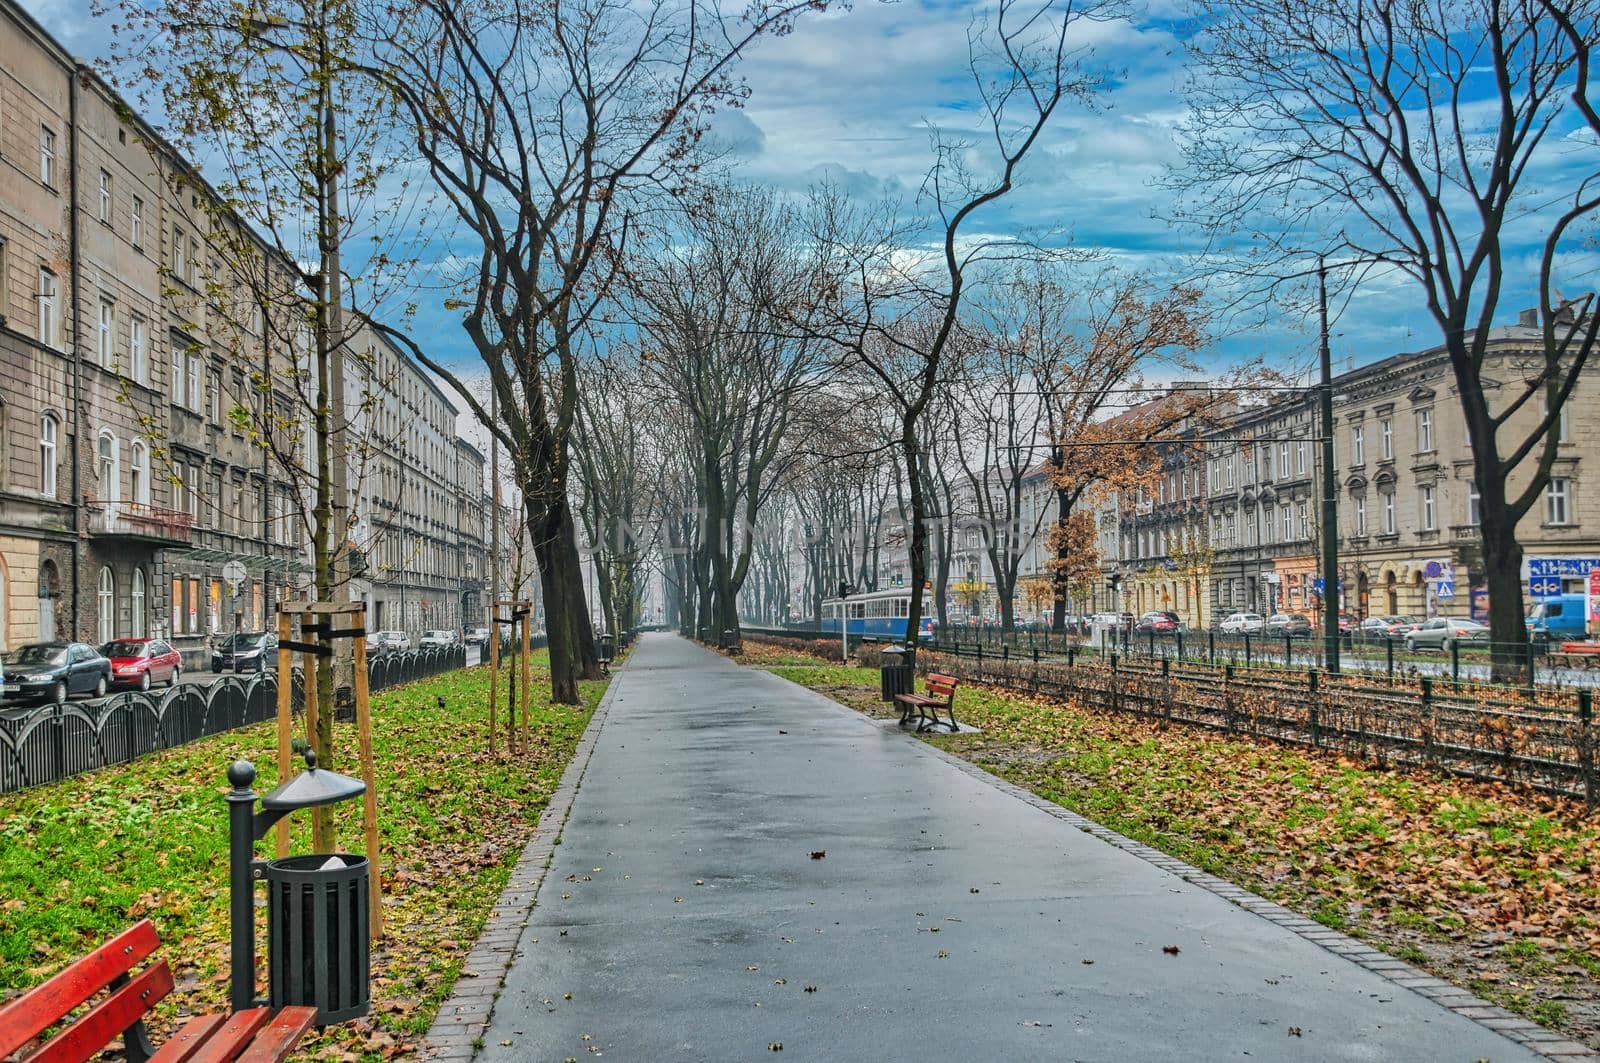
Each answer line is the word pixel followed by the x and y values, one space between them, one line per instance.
pixel 851 94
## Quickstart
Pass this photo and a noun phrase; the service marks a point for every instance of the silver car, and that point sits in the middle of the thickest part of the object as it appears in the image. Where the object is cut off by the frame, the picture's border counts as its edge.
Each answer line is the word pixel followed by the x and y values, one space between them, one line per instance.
pixel 1442 632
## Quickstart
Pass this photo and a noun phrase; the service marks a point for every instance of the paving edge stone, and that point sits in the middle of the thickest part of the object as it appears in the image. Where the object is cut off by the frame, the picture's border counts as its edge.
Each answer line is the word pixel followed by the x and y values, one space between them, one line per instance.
pixel 1552 1044
pixel 463 1018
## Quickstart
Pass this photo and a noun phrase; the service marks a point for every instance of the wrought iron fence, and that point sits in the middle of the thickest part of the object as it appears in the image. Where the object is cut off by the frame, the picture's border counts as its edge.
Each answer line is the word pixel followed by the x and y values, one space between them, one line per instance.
pixel 1545 739
pixel 52 742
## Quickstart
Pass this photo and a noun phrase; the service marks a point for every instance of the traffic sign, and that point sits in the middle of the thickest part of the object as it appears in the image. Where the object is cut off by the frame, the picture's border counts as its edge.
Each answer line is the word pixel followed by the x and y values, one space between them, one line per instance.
pixel 234 573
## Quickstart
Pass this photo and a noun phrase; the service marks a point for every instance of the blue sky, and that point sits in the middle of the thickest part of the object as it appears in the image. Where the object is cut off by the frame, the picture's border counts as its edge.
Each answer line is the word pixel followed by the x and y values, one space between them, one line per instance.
pixel 849 95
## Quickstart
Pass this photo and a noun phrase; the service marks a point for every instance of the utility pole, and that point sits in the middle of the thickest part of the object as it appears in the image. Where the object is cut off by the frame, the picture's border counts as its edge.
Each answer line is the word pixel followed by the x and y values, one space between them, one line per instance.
pixel 1330 505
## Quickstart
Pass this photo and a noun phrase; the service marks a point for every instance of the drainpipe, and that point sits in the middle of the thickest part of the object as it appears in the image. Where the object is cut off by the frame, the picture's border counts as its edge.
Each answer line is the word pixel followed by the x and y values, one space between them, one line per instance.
pixel 80 539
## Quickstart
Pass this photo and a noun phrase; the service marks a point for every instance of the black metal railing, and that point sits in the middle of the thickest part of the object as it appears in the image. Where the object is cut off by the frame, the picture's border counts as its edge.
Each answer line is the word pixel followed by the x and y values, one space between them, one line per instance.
pixel 51 742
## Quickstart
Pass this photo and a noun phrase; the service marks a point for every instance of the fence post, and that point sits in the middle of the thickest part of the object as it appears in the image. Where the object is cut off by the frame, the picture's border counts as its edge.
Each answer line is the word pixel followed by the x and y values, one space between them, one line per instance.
pixel 1428 720
pixel 1455 663
pixel 1586 745
pixel 58 743
pixel 1036 655
pixel 1227 694
pixel 1246 650
pixel 1313 705
pixel 1211 647
pixel 1166 688
pixel 1388 652
pixel 1179 636
pixel 1005 651
pixel 1288 650
pixel 1072 654
pixel 1528 655
pixel 1152 635
pixel 1116 699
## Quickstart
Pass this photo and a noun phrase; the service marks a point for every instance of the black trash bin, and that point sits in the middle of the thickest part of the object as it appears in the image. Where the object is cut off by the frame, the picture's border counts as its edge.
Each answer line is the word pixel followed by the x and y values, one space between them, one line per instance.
pixel 894 673
pixel 608 648
pixel 318 935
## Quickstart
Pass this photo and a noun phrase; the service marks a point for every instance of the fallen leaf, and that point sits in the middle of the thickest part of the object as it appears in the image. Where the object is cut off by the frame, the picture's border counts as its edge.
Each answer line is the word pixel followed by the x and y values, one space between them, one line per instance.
pixel 1171 950
pixel 818 854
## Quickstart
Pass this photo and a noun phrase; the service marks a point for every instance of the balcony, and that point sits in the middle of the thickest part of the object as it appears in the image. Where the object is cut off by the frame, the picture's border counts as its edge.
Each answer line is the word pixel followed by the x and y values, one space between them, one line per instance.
pixel 140 523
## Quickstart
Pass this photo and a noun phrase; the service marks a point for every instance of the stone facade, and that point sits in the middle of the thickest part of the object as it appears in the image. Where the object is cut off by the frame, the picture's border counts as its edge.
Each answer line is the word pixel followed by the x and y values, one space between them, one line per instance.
pixel 127 481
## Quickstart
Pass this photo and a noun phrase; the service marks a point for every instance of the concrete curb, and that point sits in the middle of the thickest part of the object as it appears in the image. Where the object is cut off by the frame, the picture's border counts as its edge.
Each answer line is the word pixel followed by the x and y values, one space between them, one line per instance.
pixel 1550 1043
pixel 464 1016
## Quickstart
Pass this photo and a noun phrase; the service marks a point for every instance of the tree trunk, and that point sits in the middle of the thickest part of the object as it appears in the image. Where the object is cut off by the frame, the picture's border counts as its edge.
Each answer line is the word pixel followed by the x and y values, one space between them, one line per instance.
pixel 571 637
pixel 1502 563
pixel 917 550
pixel 1058 578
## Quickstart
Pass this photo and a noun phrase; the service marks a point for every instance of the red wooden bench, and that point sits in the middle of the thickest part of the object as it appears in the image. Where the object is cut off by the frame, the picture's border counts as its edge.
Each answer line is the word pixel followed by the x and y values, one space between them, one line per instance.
pixel 253 1036
pixel 926 709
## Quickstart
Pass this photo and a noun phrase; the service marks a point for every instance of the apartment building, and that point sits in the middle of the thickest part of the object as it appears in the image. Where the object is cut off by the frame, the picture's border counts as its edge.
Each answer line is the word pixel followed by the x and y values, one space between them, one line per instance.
pixel 142 400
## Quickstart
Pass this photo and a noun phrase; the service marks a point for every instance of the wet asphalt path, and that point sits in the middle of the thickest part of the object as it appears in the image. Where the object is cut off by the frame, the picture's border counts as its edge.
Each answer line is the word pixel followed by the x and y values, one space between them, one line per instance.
pixel 949 920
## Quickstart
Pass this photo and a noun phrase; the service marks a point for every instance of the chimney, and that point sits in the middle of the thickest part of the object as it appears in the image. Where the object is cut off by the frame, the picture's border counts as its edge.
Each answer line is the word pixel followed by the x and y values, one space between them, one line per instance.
pixel 1529 318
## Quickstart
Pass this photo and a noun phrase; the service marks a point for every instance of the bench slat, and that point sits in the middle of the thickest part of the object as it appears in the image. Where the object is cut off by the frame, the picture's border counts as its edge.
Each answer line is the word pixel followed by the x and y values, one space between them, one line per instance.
pixel 106 1021
pixel 224 1045
pixel 43 1006
pixel 279 1038
pixel 187 1041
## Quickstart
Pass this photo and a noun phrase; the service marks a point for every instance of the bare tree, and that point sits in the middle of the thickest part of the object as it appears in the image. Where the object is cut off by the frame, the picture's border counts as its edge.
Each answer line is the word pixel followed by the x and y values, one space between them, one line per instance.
pixel 552 132
pixel 1418 134
pixel 709 296
pixel 894 318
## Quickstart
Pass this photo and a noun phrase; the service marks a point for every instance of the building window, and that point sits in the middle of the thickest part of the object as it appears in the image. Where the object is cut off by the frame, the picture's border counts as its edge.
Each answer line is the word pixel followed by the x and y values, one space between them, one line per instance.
pixel 139 474
pixel 1388 513
pixel 194 263
pixel 1386 437
pixel 108 468
pixel 180 374
pixel 180 255
pixel 196 381
pixel 136 223
pixel 107 605
pixel 49 308
pixel 1288 523
pixel 1474 505
pixel 138 356
pixel 5 299
pixel 1303 521
pixel 177 606
pixel 106 335
pixel 48 428
pixel 47 157
pixel 1425 430
pixel 105 197
pixel 1559 426
pixel 1425 501
pixel 136 605
pixel 1361 515
pixel 1302 453
pixel 1283 460
pixel 1358 445
pixel 1558 501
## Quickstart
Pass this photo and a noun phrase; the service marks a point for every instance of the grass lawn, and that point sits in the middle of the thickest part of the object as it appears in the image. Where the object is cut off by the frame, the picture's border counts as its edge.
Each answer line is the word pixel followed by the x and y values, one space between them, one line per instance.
pixel 83 858
pixel 1493 888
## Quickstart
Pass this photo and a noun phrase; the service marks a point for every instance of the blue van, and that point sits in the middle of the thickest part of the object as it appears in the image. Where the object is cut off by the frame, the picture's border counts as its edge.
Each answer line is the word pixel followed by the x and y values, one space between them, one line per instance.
pixel 1559 618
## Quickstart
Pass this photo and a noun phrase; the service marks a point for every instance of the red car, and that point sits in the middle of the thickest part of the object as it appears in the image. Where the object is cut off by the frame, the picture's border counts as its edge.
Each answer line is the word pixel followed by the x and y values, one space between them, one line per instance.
pixel 143 662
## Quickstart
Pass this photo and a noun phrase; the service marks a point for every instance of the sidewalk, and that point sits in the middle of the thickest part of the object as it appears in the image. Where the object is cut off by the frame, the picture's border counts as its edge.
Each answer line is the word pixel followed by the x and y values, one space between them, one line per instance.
pixel 950 919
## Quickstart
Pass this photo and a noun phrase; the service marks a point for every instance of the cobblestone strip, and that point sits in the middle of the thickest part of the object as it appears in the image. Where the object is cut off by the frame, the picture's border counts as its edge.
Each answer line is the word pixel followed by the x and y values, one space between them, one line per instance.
pixel 458 1029
pixel 1550 1043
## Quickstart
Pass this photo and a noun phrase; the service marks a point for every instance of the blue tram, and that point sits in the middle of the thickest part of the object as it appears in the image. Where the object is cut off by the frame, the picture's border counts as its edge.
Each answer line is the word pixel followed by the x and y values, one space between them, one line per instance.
pixel 876 614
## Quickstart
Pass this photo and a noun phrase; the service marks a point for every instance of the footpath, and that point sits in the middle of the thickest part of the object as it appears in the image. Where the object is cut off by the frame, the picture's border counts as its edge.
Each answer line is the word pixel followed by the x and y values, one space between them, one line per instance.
pixel 749 868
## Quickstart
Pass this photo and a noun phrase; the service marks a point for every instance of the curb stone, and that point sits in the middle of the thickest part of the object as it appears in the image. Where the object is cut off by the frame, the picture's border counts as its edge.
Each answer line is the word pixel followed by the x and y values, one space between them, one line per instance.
pixel 463 1018
pixel 1551 1044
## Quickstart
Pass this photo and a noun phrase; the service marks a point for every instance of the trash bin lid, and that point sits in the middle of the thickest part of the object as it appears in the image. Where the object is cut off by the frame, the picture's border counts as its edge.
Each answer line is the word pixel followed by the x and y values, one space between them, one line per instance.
pixel 896 650
pixel 314 786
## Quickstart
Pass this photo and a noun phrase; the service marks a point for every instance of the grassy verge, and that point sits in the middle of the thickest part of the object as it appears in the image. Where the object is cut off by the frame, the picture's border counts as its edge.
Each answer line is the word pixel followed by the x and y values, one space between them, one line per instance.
pixel 1495 889
pixel 83 858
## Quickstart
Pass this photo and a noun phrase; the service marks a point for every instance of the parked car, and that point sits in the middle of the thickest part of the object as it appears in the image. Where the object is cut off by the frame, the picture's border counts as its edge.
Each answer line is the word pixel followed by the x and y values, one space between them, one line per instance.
pixel 1295 625
pixel 477 636
pixel 1443 631
pixel 391 641
pixel 1391 628
pixel 142 662
pixel 1158 622
pixel 1557 619
pixel 1242 624
pixel 54 671
pixel 245 652
pixel 433 639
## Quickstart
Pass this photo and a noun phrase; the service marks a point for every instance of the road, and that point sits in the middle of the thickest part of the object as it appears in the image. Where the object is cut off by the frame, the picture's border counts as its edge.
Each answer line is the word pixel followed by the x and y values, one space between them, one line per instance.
pixel 188 678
